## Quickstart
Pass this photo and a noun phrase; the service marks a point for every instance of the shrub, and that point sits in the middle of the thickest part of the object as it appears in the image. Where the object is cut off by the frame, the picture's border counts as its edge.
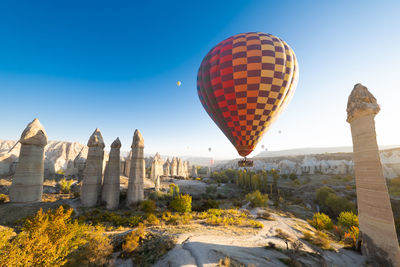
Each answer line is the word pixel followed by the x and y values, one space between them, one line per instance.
pixel 3 198
pixel 284 236
pixel 52 238
pixel 322 194
pixel 292 176
pixel 148 206
pixel 257 199
pixel 348 219
pixel 132 240
pixel 205 204
pixel 181 203
pixel 335 205
pixel 351 236
pixel 321 221
pixel 152 219
pixel 173 190
pixel 176 219
pixel 65 186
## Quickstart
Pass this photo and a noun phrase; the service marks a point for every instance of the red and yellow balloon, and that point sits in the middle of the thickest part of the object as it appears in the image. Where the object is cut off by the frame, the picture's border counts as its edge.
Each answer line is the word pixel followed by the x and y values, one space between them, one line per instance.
pixel 244 83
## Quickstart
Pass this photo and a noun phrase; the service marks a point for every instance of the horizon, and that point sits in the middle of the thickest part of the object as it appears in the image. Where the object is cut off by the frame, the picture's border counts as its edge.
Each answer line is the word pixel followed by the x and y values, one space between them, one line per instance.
pixel 106 69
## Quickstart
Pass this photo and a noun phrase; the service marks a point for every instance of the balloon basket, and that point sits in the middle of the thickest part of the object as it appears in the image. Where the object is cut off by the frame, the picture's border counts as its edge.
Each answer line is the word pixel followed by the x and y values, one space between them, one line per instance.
pixel 245 163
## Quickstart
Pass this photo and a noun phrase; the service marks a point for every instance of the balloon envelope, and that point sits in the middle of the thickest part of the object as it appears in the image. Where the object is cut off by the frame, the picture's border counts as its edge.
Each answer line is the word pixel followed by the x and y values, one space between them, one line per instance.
pixel 244 83
pixel 178 83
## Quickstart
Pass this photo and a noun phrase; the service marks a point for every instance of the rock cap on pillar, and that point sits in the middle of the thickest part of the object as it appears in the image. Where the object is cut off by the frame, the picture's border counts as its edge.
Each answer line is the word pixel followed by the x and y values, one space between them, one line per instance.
pixel 34 134
pixel 361 103
pixel 137 141
pixel 116 143
pixel 96 139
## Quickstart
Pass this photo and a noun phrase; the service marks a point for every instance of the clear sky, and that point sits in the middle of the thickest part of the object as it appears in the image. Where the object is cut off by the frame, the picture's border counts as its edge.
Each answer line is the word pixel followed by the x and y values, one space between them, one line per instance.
pixel 78 65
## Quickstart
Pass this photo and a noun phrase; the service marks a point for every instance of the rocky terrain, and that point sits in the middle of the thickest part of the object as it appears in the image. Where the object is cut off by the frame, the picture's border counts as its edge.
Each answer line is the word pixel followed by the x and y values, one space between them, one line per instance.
pixel 326 163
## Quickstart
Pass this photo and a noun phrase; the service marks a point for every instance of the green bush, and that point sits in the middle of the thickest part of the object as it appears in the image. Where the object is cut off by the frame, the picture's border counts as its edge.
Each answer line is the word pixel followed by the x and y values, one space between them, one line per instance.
pixel 348 219
pixel 332 204
pixel 148 206
pixel 3 198
pixel 321 221
pixel 181 203
pixel 173 190
pixel 257 199
pixel 322 194
pixel 293 176
pixel 54 239
pixel 65 186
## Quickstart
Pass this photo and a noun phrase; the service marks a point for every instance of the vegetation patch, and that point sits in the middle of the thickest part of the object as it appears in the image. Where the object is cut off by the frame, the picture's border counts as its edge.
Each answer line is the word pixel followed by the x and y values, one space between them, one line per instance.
pixel 53 238
pixel 229 217
pixel 145 247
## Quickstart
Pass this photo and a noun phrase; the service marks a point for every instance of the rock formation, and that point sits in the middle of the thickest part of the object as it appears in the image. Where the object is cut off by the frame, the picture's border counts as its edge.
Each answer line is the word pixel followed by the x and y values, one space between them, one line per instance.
pixel 157 183
pixel 128 160
pixel 185 169
pixel 167 171
pixel 174 167
pixel 180 171
pixel 377 229
pixel 92 175
pixel 111 185
pixel 27 183
pixel 156 167
pixel 194 172
pixel 137 173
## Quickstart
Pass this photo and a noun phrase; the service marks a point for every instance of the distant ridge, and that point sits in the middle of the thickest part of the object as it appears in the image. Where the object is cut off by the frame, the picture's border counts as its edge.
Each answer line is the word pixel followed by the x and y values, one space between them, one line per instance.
pixel 312 150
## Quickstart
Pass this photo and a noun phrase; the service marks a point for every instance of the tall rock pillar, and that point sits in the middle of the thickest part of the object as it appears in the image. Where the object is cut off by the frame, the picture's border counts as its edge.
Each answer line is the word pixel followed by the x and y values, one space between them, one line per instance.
pixel 27 183
pixel 377 229
pixel 137 173
pixel 111 184
pixel 93 172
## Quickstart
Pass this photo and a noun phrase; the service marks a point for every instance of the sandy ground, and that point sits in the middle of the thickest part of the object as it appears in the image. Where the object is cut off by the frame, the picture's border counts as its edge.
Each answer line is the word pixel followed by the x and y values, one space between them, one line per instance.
pixel 207 245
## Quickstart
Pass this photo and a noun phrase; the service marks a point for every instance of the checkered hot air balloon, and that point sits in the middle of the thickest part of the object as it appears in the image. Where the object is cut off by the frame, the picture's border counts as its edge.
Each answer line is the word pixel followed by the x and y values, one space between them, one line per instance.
pixel 244 83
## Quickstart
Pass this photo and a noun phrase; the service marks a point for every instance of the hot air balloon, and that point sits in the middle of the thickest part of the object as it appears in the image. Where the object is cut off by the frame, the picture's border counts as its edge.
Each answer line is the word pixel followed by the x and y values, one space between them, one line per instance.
pixel 244 83
pixel 178 83
pixel 262 147
pixel 209 149
pixel 279 131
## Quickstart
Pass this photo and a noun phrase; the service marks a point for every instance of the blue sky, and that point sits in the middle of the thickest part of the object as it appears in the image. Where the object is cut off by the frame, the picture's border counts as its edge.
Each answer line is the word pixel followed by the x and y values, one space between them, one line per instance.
pixel 78 65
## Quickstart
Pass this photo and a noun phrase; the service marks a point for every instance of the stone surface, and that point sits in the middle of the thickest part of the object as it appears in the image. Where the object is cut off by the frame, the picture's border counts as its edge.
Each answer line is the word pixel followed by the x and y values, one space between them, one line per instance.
pixel 111 184
pixel 180 171
pixel 174 167
pixel 27 183
pixel 156 167
pixel 93 172
pixel 167 170
pixel 193 173
pixel 378 233
pixel 137 174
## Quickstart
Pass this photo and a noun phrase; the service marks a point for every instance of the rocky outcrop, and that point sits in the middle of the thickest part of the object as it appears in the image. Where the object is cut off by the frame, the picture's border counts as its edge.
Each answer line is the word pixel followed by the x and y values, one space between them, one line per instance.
pixel 27 182
pixel 193 173
pixel 93 173
pixel 156 167
pixel 111 184
pixel 180 171
pixel 167 170
pixel 66 158
pixel 137 174
pixel 174 167
pixel 378 233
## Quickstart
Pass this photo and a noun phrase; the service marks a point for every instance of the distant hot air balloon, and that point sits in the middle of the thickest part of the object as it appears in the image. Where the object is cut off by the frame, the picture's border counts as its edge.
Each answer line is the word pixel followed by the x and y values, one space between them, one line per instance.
pixel 178 83
pixel 244 83
pixel 209 149
pixel 279 131
pixel 262 146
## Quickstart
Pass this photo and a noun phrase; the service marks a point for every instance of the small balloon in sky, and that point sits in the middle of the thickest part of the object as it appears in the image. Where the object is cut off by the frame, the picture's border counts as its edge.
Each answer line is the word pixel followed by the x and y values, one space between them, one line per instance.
pixel 262 146
pixel 279 131
pixel 209 149
pixel 178 83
